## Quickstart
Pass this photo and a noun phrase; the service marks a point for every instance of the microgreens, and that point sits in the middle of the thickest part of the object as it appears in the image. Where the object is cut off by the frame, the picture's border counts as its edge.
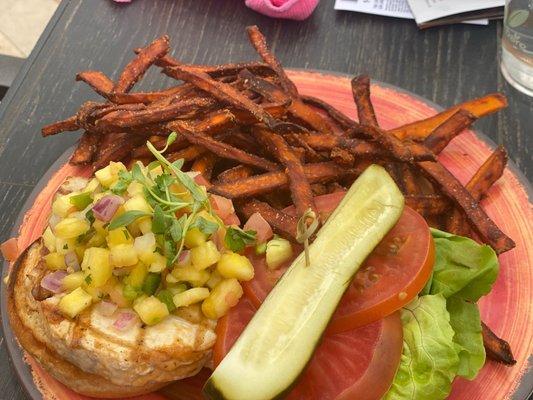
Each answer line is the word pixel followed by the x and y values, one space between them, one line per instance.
pixel 236 239
pixel 176 200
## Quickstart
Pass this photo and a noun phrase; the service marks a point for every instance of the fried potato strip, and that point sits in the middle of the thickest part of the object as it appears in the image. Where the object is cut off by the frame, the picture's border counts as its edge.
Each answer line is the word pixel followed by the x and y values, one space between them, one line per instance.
pixel 361 94
pixel 301 192
pixel 140 64
pixel 478 107
pixel 283 224
pixel 261 184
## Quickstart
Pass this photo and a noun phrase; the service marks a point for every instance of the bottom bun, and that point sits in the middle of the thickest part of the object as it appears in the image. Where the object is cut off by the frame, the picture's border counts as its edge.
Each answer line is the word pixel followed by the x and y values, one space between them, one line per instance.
pixel 32 326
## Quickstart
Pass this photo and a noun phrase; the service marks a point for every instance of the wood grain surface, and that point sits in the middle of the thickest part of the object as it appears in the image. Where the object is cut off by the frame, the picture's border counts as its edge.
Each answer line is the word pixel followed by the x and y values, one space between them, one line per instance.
pixel 447 65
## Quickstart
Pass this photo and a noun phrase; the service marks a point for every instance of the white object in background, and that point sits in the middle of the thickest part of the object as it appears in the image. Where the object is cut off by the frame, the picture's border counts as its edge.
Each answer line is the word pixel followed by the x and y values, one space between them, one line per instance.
pixel 517 45
pixel 428 10
pixel 387 8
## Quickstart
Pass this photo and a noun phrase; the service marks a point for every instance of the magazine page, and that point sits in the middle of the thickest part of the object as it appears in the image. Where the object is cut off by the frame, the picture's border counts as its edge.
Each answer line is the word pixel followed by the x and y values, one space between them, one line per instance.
pixel 387 8
pixel 427 10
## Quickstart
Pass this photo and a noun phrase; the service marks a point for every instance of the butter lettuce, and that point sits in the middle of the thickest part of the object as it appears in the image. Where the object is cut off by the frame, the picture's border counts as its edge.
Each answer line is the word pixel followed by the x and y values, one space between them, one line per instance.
pixel 429 361
pixel 466 323
pixel 442 327
pixel 462 267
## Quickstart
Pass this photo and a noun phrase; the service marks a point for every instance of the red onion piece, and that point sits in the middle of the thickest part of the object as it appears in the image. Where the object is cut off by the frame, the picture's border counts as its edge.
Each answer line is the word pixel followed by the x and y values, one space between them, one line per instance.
pixel 71 259
pixel 54 220
pixel 53 281
pixel 106 308
pixel 106 207
pixel 257 223
pixel 125 320
pixel 222 206
pixel 184 257
pixel 218 239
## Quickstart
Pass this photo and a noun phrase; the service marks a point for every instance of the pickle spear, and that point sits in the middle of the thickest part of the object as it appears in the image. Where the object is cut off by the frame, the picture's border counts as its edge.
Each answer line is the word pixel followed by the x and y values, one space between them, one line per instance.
pixel 280 339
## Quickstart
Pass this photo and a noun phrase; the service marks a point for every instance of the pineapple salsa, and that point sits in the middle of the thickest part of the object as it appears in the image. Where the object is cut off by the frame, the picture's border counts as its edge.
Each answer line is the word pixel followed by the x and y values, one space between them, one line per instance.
pixel 147 242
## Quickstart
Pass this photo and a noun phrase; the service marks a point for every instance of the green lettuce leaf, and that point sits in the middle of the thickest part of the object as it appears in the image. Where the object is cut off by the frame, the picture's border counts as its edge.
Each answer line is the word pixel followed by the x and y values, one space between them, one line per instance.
pixel 466 323
pixel 429 361
pixel 463 267
pixel 445 320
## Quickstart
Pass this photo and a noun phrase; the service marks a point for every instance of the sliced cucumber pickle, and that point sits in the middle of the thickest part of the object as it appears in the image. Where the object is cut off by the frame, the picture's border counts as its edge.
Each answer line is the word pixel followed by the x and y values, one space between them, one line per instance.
pixel 280 339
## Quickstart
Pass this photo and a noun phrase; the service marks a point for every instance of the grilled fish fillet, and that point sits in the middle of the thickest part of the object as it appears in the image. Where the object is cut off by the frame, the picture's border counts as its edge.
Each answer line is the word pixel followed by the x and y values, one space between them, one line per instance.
pixel 88 354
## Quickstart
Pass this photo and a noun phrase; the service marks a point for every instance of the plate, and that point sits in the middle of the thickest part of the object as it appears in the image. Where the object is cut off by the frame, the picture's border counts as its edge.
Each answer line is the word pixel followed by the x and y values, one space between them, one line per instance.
pixel 507 309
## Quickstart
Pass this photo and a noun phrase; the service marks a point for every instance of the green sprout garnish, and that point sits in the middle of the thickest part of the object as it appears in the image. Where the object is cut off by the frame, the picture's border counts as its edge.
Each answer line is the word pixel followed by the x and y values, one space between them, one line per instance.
pixel 170 229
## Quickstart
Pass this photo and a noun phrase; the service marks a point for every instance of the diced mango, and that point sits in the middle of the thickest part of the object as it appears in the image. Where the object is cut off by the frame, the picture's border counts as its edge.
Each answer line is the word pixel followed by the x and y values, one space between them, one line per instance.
pixel 225 295
pixel 233 265
pixel 158 264
pixel 62 205
pixel 75 302
pixel 205 255
pixel 194 237
pixel 151 310
pixel 145 246
pixel 97 240
pixel 145 225
pixel 64 246
pixel 55 261
pixel 135 189
pixel 136 276
pixel 96 266
pixel 178 288
pixel 119 236
pixel 207 216
pixel 190 274
pixel 96 294
pixel 99 227
pixel 123 255
pixel 92 186
pixel 109 175
pixel 214 279
pixel 49 240
pixel 137 203
pixel 190 296
pixel 154 172
pixel 278 251
pixel 73 281
pixel 70 228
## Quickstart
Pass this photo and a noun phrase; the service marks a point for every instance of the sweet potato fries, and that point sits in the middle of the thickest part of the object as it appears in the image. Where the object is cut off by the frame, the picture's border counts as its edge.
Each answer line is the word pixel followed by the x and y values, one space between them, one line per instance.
pixel 256 140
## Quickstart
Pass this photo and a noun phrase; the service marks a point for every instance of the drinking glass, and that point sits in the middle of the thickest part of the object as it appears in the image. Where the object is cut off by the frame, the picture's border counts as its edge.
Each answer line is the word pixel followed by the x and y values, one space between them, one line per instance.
pixel 517 45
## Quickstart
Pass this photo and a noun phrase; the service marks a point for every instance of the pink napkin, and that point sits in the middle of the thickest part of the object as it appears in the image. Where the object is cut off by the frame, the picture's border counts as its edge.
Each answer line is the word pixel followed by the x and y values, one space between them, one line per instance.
pixel 289 9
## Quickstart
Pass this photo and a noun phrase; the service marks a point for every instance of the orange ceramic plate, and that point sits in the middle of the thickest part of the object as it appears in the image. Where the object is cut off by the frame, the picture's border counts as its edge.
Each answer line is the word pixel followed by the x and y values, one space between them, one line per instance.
pixel 507 309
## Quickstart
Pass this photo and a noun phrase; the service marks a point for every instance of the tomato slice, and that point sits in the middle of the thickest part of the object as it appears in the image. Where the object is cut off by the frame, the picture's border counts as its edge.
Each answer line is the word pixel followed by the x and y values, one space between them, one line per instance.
pixel 230 326
pixel 257 289
pixel 357 364
pixel 392 275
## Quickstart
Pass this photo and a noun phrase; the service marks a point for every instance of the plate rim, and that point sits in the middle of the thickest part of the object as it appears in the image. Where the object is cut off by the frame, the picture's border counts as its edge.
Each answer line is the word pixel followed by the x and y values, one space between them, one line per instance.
pixel 15 352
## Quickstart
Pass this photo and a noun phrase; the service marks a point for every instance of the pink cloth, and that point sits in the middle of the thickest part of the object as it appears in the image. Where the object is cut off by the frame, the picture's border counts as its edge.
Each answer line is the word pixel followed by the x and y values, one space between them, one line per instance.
pixel 289 9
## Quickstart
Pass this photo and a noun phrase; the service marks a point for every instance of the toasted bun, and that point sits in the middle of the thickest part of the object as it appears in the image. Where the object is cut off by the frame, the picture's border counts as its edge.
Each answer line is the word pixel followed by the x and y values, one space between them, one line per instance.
pixel 87 370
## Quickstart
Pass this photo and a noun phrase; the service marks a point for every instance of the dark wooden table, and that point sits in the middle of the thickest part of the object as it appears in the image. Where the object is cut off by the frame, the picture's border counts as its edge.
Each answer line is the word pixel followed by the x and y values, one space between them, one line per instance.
pixel 447 65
